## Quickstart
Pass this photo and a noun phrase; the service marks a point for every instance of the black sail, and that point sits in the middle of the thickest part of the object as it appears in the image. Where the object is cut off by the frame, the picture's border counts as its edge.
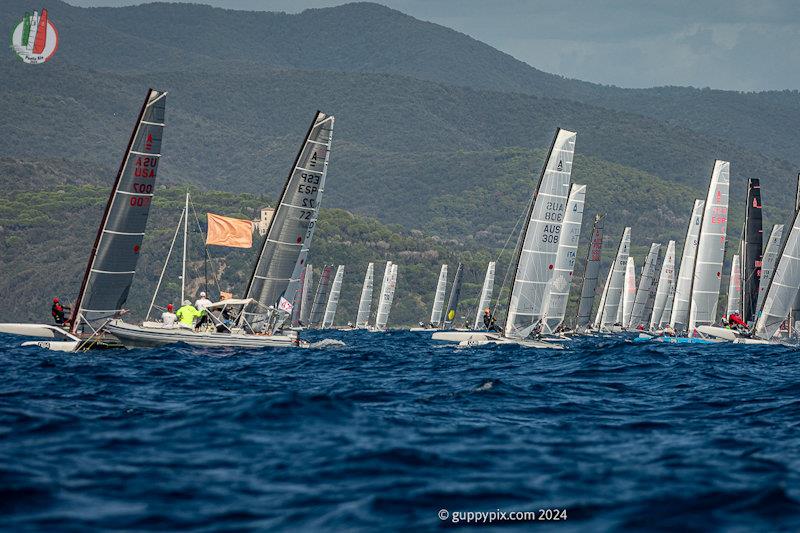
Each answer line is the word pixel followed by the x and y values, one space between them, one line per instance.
pixel 112 262
pixel 751 252
pixel 455 295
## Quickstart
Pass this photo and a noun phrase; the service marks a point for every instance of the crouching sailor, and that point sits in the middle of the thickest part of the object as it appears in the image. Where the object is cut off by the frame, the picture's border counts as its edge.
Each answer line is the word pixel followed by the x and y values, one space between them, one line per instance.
pixel 58 312
pixel 187 314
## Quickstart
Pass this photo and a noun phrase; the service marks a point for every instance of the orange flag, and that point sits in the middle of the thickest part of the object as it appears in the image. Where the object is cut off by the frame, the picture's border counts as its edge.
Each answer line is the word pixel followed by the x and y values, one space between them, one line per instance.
pixel 226 231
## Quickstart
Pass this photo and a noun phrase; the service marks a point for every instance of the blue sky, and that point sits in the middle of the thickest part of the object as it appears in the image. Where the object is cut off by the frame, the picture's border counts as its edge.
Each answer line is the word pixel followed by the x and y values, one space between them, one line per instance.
pixel 725 44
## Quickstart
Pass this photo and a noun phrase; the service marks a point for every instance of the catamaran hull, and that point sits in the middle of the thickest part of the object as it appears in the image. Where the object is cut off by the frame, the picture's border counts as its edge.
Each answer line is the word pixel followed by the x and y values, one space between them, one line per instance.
pixel 471 338
pixel 62 339
pixel 140 337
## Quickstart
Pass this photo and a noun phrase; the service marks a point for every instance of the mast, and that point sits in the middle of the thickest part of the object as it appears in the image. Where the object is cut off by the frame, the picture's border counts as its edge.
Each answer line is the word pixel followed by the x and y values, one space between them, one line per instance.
pixel 185 238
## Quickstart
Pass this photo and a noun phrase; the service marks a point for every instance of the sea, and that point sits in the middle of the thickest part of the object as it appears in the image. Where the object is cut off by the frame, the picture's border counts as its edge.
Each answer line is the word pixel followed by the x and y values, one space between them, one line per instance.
pixel 367 431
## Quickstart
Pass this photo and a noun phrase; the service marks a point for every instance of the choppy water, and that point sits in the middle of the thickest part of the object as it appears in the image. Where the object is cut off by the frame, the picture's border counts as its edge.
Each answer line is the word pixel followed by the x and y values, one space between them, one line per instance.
pixel 390 429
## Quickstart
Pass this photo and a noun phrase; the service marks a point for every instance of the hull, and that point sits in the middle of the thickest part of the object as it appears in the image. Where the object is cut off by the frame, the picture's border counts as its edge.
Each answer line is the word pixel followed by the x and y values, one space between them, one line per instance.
pixel 674 340
pixel 56 338
pixel 471 338
pixel 133 336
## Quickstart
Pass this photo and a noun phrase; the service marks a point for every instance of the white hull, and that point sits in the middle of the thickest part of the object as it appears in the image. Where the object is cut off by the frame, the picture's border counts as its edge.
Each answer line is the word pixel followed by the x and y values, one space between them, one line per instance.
pixel 56 338
pixel 147 337
pixel 471 338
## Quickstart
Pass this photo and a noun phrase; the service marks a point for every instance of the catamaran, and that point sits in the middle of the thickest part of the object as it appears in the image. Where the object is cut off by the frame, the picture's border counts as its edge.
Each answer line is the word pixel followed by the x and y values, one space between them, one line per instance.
pixel 535 253
pixel 115 253
pixel 386 297
pixel 438 303
pixel 333 299
pixel 590 277
pixel 609 311
pixel 486 296
pixel 321 297
pixel 662 305
pixel 644 291
pixel 261 314
pixel 365 302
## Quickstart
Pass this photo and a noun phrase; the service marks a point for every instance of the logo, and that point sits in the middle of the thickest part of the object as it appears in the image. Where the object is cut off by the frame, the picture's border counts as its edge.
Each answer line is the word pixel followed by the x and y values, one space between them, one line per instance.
pixel 35 38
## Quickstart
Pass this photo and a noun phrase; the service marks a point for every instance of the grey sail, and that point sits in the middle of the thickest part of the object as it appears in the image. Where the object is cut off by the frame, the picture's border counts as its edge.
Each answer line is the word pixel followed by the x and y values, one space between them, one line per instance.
pixel 536 251
pixel 710 250
pixel 629 295
pixel 384 299
pixel 768 264
pixel 486 295
pixel 115 253
pixel 666 280
pixel 438 300
pixel 734 288
pixel 679 317
pixel 288 238
pixel 666 316
pixel 590 275
pixel 612 306
pixel 365 302
pixel 297 302
pixel 321 296
pixel 333 298
pixel 645 286
pixel 783 285
pixel 308 294
pixel 794 314
pixel 554 307
pixel 455 295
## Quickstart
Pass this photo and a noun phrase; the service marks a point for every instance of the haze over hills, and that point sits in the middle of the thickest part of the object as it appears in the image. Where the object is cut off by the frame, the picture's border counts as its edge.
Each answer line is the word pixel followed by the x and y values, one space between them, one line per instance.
pixel 435 130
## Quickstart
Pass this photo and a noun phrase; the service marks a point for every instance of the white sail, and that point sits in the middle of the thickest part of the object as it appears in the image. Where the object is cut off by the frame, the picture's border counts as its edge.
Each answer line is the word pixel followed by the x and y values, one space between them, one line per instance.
pixel 384 302
pixel 611 312
pixel 679 317
pixel 598 320
pixel 710 250
pixel 666 280
pixel 630 292
pixel 768 263
pixel 308 291
pixel 365 303
pixel 666 316
pixel 333 298
pixel 734 287
pixel 540 236
pixel 783 287
pixel 554 307
pixel 438 301
pixel 645 286
pixel 486 295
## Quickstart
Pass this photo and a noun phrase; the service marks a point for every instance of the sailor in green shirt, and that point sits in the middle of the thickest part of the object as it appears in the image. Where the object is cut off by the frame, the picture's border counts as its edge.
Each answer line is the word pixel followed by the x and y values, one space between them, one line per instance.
pixel 187 314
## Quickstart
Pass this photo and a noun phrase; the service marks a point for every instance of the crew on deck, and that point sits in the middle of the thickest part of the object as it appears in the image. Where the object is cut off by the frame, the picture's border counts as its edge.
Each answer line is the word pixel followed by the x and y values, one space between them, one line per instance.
pixel 168 317
pixel 202 305
pixel 187 314
pixel 58 311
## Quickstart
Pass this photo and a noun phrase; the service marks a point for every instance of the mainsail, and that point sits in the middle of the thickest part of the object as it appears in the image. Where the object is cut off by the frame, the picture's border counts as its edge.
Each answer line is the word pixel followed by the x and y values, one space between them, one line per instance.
pixel 666 316
pixel 645 286
pixel 794 314
pixel 438 300
pixel 291 229
pixel 630 292
pixel 321 296
pixel 751 251
pixel 384 301
pixel 486 295
pixel 115 253
pixel 333 299
pixel 734 288
pixel 783 287
pixel 612 299
pixel 365 303
pixel 710 250
pixel 590 274
pixel 679 317
pixel 308 292
pixel 455 296
pixel 538 246
pixel 666 280
pixel 768 264
pixel 555 301
pixel 297 301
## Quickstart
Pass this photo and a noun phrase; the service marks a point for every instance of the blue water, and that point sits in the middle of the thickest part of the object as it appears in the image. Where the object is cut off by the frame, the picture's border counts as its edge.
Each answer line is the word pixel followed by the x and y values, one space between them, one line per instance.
pixel 388 430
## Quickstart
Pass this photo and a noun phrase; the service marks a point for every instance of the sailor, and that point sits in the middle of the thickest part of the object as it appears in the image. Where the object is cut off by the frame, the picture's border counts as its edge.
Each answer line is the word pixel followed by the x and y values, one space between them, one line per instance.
pixel 202 305
pixel 489 321
pixel 736 321
pixel 58 311
pixel 669 331
pixel 187 314
pixel 421 324
pixel 168 317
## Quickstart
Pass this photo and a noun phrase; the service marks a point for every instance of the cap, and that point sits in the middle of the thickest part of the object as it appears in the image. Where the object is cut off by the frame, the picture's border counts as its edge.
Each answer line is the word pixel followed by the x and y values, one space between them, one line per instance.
pixel 55 300
pixel 202 295
pixel 169 307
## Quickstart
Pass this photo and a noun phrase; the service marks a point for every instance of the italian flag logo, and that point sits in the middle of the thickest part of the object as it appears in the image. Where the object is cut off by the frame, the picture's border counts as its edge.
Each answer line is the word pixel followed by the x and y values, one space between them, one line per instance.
pixel 35 38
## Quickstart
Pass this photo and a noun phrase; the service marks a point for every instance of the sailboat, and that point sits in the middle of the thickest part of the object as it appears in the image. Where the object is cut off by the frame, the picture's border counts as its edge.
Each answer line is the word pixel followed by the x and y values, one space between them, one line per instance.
pixel 768 263
pixel 666 283
pixel 438 303
pixel 451 311
pixel 306 297
pixel 643 292
pixel 276 274
pixel 321 297
pixel 386 297
pixel 486 295
pixel 679 317
pixel 535 254
pixel 609 312
pixel 734 288
pixel 333 298
pixel 365 302
pixel 751 252
pixel 629 294
pixel 115 252
pixel 590 276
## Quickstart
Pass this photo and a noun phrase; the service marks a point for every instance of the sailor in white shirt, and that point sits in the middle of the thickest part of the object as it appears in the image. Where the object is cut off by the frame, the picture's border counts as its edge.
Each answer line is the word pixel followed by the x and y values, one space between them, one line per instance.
pixel 202 305
pixel 168 317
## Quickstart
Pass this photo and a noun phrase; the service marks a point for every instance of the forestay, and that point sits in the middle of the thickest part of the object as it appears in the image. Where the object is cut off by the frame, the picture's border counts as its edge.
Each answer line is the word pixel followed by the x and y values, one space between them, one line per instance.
pixel 768 264
pixel 710 250
pixel 536 256
pixel 683 286
pixel 438 300
pixel 486 295
pixel 554 307
pixel 291 229
pixel 630 292
pixel 612 299
pixel 333 298
pixel 783 286
pixel 365 303
pixel 645 286
pixel 590 275
pixel 115 253
pixel 734 288
pixel 666 280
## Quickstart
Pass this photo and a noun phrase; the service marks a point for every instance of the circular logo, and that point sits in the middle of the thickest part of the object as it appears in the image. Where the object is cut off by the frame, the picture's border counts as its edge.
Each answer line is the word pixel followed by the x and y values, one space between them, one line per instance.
pixel 35 38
